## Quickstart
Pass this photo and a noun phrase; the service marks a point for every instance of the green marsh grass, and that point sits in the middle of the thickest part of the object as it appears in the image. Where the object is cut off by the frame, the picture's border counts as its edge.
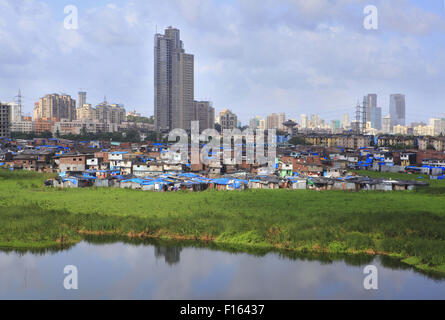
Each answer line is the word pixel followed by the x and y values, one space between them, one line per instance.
pixel 409 225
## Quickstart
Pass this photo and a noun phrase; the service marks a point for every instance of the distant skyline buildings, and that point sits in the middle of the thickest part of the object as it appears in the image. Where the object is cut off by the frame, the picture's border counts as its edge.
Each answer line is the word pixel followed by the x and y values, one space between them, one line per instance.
pixel 205 114
pixel 228 120
pixel 55 106
pixel 236 67
pixel 82 99
pixel 397 109
pixel 5 127
pixel 374 113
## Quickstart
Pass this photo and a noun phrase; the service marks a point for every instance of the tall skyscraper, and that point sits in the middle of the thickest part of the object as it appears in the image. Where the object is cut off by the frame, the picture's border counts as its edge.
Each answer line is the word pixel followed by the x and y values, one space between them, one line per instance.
pixel 371 102
pixel 373 113
pixel 376 118
pixel 397 109
pixel 82 99
pixel 205 114
pixel 173 82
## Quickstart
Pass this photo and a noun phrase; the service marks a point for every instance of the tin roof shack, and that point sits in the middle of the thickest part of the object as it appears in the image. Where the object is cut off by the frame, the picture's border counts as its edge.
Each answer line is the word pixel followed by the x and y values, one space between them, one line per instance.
pixel 264 182
pixel 285 168
pixel 320 183
pixel 76 181
pixel 333 172
pixel 6 156
pixel 296 183
pixel 155 168
pixel 400 185
pixel 197 167
pixel 167 167
pixel 153 153
pixel 45 160
pixel 214 169
pixel 134 183
pixel 121 161
pixel 140 168
pixel 433 163
pixel 229 184
pixel 347 183
pixel 103 183
pixel 72 162
pixel 246 167
pixel 24 161
pixel 408 158
pixel 96 163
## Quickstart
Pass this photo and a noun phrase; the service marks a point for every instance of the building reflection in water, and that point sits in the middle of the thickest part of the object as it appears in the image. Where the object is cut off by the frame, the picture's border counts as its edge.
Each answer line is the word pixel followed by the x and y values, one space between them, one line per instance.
pixel 171 254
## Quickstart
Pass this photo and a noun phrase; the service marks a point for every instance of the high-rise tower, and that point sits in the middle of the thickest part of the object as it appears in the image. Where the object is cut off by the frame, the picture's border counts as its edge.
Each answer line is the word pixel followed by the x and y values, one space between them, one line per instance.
pixel 173 82
pixel 82 99
pixel 397 109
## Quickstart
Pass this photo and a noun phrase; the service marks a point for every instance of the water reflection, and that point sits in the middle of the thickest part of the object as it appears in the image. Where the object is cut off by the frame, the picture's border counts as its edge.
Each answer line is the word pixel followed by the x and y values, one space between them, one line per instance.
pixel 134 269
pixel 171 254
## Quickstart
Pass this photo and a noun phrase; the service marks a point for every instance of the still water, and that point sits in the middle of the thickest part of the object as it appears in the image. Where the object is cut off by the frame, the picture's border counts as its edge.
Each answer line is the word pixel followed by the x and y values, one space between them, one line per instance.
pixel 155 270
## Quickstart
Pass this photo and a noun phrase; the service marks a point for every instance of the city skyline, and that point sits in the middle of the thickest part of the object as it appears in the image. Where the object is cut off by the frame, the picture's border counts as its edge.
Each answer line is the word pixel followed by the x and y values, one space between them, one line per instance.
pixel 231 72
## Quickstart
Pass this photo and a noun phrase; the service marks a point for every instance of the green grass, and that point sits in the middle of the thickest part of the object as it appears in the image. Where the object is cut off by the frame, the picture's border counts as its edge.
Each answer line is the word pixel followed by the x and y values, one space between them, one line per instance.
pixel 409 225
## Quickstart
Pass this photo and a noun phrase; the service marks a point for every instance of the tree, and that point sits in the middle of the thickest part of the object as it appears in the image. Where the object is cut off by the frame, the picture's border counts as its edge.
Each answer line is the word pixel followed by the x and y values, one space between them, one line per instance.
pixel 298 141
pixel 47 135
pixel 137 119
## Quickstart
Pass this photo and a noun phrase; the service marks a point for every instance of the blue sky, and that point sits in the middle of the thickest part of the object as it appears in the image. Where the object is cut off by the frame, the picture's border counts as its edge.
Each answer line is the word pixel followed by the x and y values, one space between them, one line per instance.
pixel 252 56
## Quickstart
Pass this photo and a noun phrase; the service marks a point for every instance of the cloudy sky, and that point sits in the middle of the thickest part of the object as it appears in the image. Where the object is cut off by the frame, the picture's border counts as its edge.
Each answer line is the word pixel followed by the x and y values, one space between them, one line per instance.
pixel 251 56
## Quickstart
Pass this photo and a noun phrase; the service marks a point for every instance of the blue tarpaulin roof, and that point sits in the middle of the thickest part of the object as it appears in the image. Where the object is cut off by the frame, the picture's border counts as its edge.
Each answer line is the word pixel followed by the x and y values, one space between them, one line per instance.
pixel 223 181
pixel 136 180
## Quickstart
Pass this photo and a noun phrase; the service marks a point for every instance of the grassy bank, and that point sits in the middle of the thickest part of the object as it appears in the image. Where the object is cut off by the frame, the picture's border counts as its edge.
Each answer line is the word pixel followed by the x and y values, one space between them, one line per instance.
pixel 408 225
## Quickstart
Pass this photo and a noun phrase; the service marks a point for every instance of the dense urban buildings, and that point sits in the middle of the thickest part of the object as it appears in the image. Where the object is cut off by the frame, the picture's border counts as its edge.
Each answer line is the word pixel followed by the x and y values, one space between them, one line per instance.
pixel 275 121
pixel 15 112
pixel 25 125
pixel 57 114
pixel 56 106
pixel 228 120
pixel 254 123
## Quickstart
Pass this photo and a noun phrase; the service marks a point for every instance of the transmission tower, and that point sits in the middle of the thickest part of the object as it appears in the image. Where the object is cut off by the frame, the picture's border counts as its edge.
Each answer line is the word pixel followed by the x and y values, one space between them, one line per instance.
pixel 358 112
pixel 19 102
pixel 364 114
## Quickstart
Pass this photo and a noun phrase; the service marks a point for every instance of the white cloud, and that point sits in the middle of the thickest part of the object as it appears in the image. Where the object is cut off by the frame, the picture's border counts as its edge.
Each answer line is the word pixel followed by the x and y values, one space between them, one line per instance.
pixel 315 54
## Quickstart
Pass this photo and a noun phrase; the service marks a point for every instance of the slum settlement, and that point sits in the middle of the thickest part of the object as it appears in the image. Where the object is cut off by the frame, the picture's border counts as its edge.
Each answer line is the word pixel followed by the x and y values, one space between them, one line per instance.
pixel 150 166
